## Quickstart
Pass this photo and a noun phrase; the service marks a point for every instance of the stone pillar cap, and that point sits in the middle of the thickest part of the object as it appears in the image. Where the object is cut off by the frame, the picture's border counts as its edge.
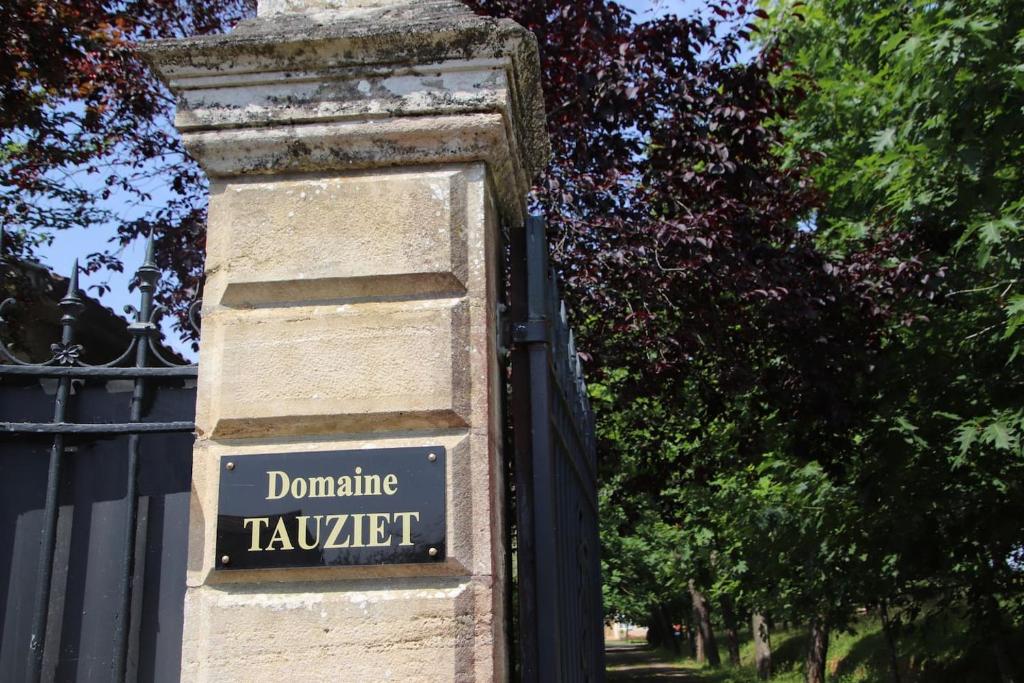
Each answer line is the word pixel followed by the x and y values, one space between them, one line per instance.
pixel 307 41
pixel 272 7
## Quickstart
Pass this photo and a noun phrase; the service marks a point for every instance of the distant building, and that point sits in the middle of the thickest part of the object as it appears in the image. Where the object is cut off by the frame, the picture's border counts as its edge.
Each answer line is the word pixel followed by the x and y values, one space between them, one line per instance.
pixel 33 323
pixel 620 631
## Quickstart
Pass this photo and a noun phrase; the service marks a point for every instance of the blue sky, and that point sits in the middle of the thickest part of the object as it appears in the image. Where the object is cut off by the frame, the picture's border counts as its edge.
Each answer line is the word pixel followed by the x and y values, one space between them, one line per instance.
pixel 68 245
pixel 648 8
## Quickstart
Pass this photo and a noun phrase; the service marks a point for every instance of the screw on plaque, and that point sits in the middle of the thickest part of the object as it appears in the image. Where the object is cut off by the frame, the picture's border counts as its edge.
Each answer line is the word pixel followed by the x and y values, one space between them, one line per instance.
pixel 225 559
pixel 432 457
pixel 230 466
pixel 432 552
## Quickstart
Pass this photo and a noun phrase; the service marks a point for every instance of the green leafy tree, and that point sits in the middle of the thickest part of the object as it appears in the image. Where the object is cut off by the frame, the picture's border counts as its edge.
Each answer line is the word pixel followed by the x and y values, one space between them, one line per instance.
pixel 86 136
pixel 915 112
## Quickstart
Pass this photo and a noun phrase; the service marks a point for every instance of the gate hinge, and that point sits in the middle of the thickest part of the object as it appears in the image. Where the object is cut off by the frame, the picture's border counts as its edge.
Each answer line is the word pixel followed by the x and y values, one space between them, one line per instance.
pixel 530 332
pixel 141 328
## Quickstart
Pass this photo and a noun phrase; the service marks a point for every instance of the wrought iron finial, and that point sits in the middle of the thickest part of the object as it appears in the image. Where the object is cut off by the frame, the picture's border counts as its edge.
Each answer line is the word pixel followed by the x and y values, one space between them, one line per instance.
pixel 147 277
pixel 67 352
pixel 148 274
pixel 150 259
pixel 71 305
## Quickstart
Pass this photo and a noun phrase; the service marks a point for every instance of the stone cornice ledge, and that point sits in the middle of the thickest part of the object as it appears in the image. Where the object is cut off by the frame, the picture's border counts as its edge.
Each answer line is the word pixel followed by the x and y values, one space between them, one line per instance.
pixel 355 145
pixel 429 82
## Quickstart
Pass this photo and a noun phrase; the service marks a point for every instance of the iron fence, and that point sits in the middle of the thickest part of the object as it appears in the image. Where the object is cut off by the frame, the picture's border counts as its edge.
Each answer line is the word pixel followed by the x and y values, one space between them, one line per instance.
pixel 154 377
pixel 561 627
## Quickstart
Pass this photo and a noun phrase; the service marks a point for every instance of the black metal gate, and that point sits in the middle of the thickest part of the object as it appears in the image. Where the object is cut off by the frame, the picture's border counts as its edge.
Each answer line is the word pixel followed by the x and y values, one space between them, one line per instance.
pixel 561 627
pixel 94 495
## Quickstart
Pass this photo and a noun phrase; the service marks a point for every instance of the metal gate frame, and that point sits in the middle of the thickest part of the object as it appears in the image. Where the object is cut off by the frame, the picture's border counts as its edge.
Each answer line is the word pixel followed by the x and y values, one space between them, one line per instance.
pixel 136 363
pixel 561 621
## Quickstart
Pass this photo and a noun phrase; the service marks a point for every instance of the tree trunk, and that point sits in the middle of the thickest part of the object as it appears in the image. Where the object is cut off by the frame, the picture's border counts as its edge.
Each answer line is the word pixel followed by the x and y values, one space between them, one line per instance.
pixel 691 640
pixel 732 636
pixel 707 648
pixel 997 638
pixel 1003 662
pixel 889 629
pixel 654 628
pixel 817 651
pixel 670 631
pixel 762 646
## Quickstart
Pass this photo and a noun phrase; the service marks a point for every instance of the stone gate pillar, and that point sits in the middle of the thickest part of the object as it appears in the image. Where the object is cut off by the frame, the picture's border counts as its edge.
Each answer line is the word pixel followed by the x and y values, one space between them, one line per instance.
pixel 362 155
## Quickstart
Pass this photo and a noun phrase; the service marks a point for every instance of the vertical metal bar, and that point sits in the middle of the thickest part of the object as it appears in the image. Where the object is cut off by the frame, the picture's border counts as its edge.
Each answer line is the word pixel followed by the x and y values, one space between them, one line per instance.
pixel 561 621
pixel 148 276
pixel 525 548
pixel 47 546
pixel 70 306
pixel 596 603
pixel 121 626
pixel 541 449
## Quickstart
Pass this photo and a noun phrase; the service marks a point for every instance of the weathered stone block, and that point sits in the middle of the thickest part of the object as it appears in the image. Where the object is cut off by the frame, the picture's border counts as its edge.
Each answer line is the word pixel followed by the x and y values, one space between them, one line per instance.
pixel 332 238
pixel 344 368
pixel 406 630
pixel 346 93
pixel 271 7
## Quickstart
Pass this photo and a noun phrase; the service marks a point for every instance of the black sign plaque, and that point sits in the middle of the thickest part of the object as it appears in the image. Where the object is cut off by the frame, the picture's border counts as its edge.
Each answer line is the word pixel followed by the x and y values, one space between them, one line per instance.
pixel 332 508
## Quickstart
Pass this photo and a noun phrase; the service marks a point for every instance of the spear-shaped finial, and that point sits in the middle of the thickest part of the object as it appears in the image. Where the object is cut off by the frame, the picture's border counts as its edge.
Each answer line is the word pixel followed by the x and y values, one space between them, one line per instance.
pixel 151 249
pixel 70 306
pixel 71 298
pixel 148 273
